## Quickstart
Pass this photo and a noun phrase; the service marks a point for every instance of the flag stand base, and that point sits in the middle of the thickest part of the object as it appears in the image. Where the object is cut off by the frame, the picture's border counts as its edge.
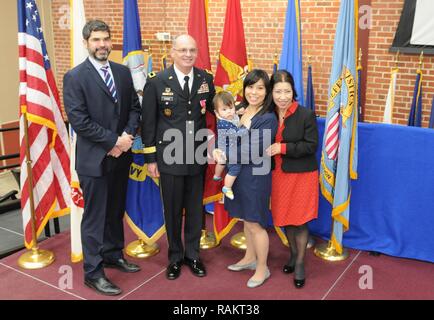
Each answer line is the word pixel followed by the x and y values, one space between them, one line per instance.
pixel 239 241
pixel 36 259
pixel 208 240
pixel 327 251
pixel 139 249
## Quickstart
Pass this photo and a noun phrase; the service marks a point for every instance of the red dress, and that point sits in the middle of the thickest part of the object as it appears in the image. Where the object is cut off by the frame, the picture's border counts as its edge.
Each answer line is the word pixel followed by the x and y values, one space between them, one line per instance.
pixel 294 196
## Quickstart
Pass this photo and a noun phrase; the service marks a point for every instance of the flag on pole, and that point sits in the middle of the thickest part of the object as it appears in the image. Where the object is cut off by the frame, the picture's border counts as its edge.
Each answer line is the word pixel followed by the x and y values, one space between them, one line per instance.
pixel 415 117
pixel 291 56
pixel 339 152
pixel 144 210
pixel 310 96
pixel 233 65
pixel 390 99
pixel 47 134
pixel 78 55
pixel 198 29
pixel 231 70
pixel 431 119
pixel 132 53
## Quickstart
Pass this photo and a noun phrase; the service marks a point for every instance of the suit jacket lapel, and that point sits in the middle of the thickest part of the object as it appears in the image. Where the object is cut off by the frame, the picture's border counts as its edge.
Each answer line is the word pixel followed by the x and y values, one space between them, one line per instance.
pixel 117 80
pixel 96 76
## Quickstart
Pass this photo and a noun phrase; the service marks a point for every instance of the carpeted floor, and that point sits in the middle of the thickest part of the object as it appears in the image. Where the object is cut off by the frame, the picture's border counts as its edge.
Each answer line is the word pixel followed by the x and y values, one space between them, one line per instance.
pixel 361 276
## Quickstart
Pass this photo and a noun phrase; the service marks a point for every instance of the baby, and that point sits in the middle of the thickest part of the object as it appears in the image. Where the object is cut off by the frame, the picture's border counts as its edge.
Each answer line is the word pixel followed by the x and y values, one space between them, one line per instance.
pixel 228 133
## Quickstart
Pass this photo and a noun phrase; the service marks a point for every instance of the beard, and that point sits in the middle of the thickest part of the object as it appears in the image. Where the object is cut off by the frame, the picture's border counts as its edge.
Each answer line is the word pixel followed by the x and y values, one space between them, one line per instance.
pixel 97 55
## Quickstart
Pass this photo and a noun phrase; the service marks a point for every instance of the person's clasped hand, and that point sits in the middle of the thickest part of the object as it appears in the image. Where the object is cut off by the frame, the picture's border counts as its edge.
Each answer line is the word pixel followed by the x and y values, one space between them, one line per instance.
pixel 274 149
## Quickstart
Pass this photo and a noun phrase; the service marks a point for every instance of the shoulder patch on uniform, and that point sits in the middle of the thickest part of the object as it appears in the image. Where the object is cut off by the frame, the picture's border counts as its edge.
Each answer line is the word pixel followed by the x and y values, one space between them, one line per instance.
pixel 209 71
pixel 151 74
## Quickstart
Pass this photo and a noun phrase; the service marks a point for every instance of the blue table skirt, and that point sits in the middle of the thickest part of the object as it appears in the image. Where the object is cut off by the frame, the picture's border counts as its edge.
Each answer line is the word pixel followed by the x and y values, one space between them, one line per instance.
pixel 392 202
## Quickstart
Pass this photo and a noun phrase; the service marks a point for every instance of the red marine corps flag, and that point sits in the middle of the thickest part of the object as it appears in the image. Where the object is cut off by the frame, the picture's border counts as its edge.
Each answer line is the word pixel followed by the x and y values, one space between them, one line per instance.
pixel 231 71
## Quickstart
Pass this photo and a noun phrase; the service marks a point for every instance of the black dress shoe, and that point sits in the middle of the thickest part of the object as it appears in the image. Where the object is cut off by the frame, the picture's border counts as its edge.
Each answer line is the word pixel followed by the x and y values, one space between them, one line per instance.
pixel 103 286
pixel 122 265
pixel 173 270
pixel 196 267
pixel 288 269
pixel 299 283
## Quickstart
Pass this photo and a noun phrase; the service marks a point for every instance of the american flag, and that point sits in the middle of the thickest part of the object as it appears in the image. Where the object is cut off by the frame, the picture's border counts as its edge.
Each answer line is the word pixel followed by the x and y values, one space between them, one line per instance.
pixel 332 136
pixel 48 137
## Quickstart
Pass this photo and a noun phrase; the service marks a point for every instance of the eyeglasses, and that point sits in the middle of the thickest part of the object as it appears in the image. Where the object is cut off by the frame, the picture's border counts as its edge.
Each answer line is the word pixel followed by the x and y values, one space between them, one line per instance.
pixel 185 50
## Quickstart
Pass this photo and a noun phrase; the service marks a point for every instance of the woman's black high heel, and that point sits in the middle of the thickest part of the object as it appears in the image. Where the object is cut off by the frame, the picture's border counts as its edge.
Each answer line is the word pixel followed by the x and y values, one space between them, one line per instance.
pixel 299 283
pixel 288 269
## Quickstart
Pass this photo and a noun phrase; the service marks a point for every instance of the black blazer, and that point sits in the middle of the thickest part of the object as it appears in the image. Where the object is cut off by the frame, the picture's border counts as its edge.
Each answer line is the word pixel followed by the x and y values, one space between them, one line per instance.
pixel 97 119
pixel 165 107
pixel 300 136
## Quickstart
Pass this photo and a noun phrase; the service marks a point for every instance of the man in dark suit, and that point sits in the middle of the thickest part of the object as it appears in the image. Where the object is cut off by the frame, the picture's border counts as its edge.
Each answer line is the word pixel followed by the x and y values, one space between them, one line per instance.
pixel 174 137
pixel 104 110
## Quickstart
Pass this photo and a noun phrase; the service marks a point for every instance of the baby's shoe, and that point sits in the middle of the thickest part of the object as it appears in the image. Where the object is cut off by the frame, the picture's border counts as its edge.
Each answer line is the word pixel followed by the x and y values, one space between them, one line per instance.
pixel 228 192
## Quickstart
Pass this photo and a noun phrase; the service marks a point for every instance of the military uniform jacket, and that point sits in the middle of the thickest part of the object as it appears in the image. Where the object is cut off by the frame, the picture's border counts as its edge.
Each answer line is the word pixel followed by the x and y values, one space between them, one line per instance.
pixel 171 121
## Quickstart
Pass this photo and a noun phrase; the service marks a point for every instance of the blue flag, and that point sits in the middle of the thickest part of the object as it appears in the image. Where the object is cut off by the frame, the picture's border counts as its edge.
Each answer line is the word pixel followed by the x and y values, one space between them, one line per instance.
pixel 291 57
pixel 132 53
pixel 310 96
pixel 431 119
pixel 339 152
pixel 415 117
pixel 144 208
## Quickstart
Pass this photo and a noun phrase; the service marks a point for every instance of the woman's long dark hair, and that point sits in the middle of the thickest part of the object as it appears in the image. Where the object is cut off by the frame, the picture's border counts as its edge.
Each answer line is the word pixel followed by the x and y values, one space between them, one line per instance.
pixel 281 76
pixel 252 77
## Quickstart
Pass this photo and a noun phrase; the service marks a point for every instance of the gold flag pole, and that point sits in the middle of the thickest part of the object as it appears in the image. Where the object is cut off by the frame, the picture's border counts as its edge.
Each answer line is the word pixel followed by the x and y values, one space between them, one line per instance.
pixel 36 258
pixel 327 251
pixel 239 241
pixel 421 60
pixel 396 59
pixel 359 59
pixel 140 249
pixel 208 240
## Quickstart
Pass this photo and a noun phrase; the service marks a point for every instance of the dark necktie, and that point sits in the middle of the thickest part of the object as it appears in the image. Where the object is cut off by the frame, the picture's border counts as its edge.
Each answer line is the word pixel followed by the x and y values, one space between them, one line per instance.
pixel 186 89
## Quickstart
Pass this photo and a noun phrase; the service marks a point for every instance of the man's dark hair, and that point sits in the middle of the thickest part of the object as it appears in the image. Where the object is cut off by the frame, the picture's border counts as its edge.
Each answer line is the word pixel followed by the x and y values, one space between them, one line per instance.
pixel 94 25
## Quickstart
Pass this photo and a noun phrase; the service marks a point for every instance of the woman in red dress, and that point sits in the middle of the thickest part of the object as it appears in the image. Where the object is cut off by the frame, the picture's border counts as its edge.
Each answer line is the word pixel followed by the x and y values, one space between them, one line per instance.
pixel 295 190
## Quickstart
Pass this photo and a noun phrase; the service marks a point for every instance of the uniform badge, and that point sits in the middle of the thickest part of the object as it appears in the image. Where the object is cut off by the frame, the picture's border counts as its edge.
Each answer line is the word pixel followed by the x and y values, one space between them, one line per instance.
pixel 167 92
pixel 167 112
pixel 203 88
pixel 203 106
